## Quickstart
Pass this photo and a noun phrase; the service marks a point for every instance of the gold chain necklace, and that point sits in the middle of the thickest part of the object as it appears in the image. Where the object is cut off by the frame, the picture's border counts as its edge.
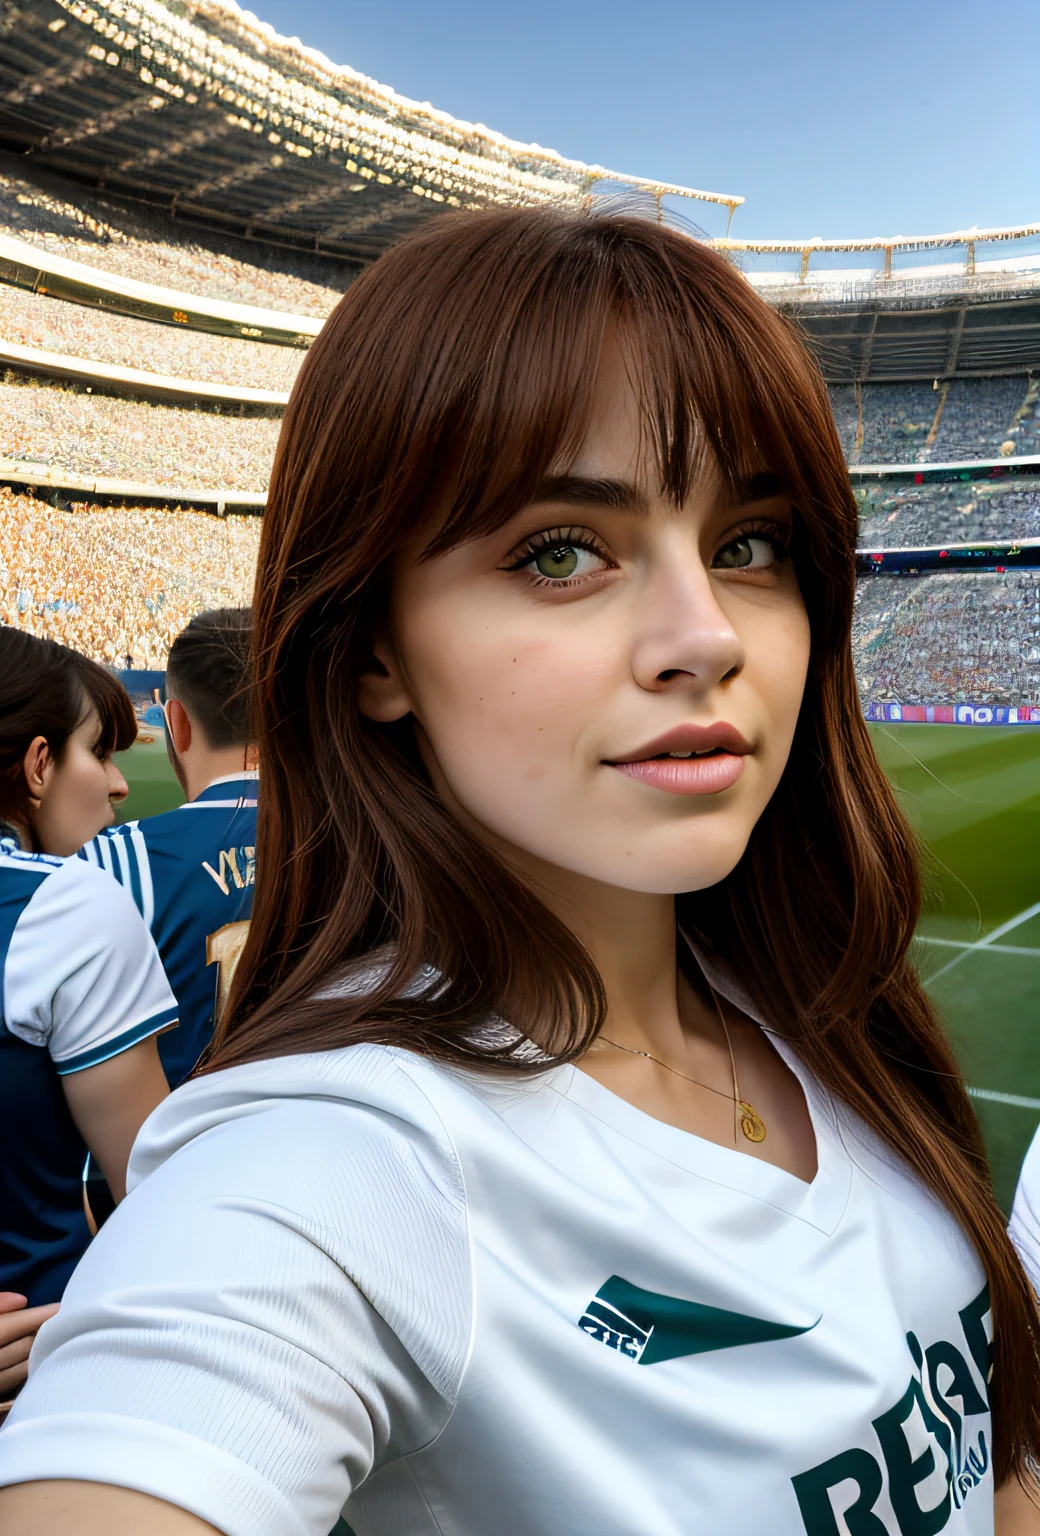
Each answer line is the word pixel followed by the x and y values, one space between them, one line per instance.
pixel 751 1123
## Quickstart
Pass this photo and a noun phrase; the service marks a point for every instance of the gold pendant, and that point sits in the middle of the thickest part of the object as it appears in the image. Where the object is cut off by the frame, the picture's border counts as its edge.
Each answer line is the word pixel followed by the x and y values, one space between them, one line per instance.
pixel 750 1123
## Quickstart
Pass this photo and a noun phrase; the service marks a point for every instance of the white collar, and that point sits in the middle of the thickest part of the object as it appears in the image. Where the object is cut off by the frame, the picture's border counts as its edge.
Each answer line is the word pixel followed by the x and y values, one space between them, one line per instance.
pixel 231 778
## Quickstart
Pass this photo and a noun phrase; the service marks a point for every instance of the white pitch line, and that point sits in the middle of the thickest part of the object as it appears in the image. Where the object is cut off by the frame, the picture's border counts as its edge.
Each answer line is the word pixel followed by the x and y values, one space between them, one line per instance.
pixel 1017 1099
pixel 990 939
pixel 994 949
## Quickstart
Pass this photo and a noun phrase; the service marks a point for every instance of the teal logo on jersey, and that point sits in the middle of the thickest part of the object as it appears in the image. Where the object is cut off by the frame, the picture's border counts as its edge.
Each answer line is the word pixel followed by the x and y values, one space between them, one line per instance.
pixel 924 1461
pixel 649 1327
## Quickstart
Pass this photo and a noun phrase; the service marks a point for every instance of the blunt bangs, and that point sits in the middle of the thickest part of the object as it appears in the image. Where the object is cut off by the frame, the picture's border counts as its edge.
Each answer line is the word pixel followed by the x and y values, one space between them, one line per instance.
pixel 719 379
pixel 105 693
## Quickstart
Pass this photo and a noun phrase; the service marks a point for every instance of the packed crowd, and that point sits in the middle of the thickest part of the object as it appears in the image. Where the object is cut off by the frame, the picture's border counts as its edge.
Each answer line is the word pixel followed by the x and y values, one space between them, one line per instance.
pixel 33 320
pixel 982 416
pixel 897 422
pixel 136 242
pixel 921 516
pixel 118 584
pixel 920 422
pixel 949 639
pixel 92 434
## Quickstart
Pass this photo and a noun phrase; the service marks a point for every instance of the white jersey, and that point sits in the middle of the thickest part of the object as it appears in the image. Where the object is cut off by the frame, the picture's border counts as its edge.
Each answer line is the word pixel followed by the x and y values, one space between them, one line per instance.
pixel 360 1281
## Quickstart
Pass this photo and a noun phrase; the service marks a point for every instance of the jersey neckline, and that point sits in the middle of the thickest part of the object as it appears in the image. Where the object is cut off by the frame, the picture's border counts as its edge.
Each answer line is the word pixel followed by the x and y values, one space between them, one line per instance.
pixel 819 1203
pixel 247 775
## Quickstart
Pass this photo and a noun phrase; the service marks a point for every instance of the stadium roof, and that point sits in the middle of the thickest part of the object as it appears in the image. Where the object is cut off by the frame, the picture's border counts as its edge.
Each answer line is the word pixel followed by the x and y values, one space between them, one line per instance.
pixel 887 341
pixel 900 307
pixel 206 111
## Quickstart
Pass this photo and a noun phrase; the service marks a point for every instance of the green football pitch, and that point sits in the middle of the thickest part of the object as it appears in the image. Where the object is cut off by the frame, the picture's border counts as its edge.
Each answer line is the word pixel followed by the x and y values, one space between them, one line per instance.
pixel 974 794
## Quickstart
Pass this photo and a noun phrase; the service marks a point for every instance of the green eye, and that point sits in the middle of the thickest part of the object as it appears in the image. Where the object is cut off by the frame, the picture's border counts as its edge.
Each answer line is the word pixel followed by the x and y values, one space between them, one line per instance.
pixel 749 551
pixel 560 561
pixel 734 555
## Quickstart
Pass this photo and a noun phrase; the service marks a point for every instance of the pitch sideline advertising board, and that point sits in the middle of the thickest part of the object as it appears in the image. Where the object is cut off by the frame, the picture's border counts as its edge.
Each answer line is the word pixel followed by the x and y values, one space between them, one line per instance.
pixel 954 714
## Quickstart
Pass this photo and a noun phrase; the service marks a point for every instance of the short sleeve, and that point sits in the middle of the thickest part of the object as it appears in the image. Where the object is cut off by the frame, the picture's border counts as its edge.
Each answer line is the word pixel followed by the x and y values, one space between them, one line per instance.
pixel 278 1310
pixel 1024 1229
pixel 83 976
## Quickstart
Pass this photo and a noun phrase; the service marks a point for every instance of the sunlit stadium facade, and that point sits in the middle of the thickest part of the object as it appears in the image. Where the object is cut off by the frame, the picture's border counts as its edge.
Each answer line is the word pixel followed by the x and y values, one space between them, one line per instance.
pixel 210 115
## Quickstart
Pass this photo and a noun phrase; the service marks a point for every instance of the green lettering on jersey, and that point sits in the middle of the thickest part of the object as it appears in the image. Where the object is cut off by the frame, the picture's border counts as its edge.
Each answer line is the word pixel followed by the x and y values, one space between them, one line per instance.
pixel 923 1438
pixel 813 1492
pixel 980 1345
pixel 909 1433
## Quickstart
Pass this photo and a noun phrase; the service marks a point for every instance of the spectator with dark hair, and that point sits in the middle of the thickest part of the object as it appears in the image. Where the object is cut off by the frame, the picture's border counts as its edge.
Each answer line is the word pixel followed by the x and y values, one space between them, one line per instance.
pixel 191 870
pixel 82 992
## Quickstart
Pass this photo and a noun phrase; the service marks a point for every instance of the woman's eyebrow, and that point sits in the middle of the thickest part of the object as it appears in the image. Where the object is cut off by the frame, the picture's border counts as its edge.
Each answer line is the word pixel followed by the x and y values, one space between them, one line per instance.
pixel 757 487
pixel 583 490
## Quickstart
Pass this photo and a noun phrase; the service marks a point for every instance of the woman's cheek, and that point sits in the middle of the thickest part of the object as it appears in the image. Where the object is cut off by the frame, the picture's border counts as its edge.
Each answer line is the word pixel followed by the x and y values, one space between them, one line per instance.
pixel 505 722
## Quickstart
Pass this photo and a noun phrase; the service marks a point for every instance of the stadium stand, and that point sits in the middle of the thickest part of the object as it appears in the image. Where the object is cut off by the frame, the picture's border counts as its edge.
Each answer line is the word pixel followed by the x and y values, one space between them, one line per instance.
pixel 897 421
pixel 937 421
pixel 982 416
pixel 910 516
pixel 204 111
pixel 135 241
pixel 92 434
pixel 39 271
pixel 112 379
pixel 949 639
pixel 119 582
pixel 33 320
pixel 909 307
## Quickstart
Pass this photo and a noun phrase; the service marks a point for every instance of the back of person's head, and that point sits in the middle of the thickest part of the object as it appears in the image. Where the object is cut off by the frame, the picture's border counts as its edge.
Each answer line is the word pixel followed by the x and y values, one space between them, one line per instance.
pixel 48 690
pixel 208 672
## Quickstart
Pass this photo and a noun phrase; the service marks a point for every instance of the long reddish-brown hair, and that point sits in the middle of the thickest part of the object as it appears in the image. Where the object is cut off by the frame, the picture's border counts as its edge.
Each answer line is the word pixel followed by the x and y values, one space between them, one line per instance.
pixel 451 379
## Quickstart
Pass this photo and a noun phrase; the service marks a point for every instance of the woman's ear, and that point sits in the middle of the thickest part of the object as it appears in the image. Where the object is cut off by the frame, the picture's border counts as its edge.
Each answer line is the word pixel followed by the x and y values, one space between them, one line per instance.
pixel 382 693
pixel 38 765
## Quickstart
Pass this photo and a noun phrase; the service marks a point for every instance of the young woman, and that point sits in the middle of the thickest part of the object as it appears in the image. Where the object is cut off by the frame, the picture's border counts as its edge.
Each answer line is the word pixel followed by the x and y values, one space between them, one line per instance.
pixel 584 1155
pixel 82 990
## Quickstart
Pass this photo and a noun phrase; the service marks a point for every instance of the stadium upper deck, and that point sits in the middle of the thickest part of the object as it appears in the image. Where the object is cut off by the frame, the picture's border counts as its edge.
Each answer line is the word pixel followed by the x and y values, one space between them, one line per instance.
pixel 202 110
pixel 209 116
pixel 908 307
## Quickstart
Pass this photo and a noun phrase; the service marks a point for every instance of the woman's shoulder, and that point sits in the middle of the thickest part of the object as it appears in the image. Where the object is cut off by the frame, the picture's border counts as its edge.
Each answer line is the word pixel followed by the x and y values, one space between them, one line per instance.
pixel 389 1104
pixel 62 883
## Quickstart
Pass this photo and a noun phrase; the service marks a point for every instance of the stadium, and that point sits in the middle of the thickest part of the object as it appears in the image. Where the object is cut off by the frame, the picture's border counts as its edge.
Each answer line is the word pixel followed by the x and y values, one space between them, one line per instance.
pixel 184 195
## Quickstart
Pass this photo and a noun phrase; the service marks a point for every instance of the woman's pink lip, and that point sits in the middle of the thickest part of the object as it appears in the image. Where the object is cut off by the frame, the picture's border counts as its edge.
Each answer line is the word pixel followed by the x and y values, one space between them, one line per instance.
pixel 686 775
pixel 689 738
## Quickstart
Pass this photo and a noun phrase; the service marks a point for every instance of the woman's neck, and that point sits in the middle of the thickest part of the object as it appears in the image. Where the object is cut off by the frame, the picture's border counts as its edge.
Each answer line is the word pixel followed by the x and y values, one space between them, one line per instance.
pixel 631 938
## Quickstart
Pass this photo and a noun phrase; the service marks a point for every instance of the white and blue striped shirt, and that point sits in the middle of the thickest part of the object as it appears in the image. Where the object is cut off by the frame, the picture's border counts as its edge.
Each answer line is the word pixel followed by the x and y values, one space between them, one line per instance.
pixel 190 872
pixel 80 982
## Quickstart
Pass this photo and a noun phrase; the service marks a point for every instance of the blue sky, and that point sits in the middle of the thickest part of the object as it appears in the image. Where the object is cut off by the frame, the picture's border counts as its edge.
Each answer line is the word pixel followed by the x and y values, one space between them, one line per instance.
pixel 833 119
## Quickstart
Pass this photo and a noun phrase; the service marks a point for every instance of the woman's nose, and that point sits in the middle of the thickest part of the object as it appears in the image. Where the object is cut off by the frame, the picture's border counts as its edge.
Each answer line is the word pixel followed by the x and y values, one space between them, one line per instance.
pixel 683 634
pixel 118 788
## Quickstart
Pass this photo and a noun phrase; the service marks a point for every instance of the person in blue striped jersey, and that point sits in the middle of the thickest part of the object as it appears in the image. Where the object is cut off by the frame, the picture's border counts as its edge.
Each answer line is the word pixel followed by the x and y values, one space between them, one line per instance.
pixel 82 989
pixel 191 870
